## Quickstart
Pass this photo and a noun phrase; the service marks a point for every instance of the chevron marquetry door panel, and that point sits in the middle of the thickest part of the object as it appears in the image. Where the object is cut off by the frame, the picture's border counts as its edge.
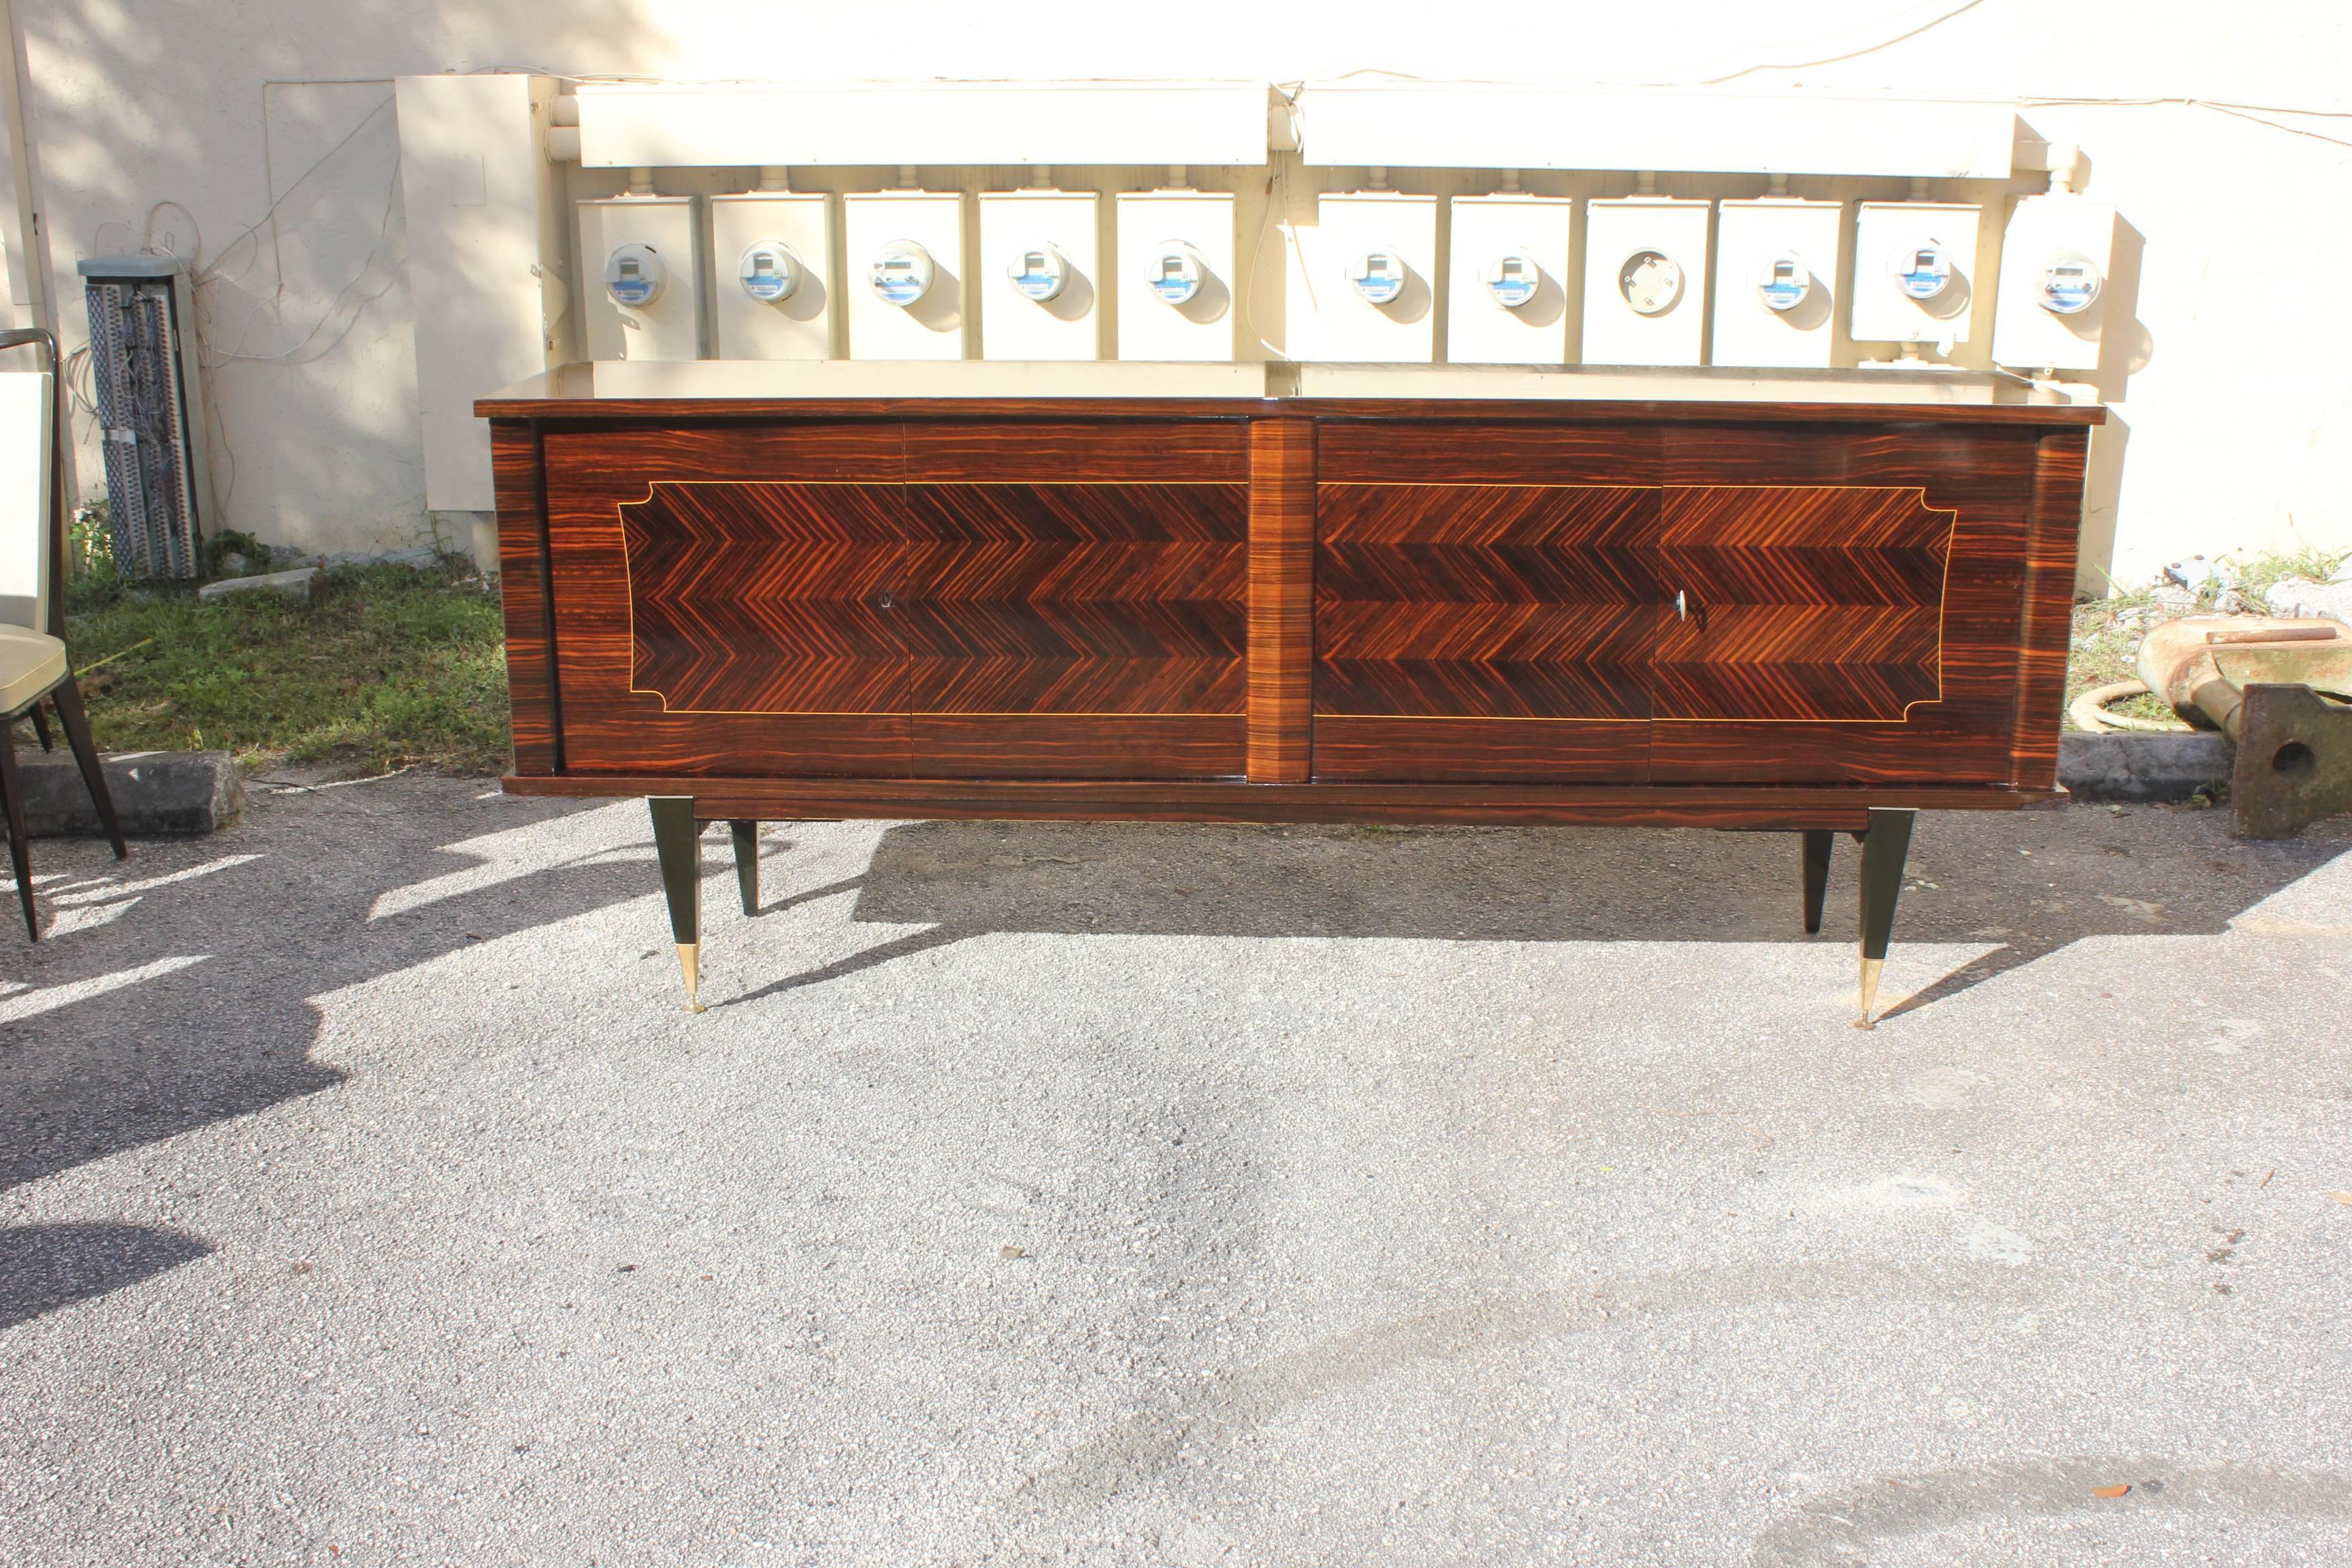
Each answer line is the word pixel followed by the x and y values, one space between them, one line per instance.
pixel 718 597
pixel 1484 601
pixel 768 598
pixel 1075 598
pixel 1797 602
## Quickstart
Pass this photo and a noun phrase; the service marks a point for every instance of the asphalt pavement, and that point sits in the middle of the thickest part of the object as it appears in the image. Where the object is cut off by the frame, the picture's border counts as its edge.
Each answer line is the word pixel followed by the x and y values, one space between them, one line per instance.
pixel 1182 1196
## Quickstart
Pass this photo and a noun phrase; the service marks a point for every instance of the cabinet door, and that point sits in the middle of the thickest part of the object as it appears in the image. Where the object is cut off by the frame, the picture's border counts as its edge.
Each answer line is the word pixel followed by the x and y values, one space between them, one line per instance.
pixel 1800 602
pixel 1851 601
pixel 1483 631
pixel 719 598
pixel 1073 598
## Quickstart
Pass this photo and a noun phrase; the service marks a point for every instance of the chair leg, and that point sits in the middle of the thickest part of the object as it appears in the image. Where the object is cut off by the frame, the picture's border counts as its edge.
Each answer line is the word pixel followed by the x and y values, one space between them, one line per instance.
pixel 746 836
pixel 1884 848
pixel 1819 841
pixel 76 719
pixel 12 798
pixel 678 840
pixel 41 729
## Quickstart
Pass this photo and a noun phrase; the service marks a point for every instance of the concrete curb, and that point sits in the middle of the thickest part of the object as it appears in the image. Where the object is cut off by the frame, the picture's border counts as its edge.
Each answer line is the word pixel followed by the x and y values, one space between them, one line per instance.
pixel 155 792
pixel 2144 767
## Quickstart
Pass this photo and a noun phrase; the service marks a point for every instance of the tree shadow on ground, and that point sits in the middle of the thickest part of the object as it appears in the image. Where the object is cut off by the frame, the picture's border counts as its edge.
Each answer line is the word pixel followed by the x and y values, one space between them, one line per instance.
pixel 172 991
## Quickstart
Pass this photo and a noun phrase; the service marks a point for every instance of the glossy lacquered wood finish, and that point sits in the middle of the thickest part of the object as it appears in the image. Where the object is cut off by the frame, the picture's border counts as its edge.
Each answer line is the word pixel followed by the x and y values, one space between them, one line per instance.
pixel 1073 600
pixel 1374 596
pixel 1282 600
pixel 525 587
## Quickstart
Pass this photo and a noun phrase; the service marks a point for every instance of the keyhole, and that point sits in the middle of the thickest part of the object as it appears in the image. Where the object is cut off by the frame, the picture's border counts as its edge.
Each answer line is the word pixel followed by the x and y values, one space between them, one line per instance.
pixel 884 601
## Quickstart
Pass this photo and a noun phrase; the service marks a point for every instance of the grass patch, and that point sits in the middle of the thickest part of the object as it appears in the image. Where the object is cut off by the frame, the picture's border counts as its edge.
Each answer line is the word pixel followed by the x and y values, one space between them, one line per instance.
pixel 389 666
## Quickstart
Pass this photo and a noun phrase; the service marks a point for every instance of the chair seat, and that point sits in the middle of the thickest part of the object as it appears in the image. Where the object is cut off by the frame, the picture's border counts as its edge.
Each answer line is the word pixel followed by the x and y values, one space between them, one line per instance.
pixel 31 663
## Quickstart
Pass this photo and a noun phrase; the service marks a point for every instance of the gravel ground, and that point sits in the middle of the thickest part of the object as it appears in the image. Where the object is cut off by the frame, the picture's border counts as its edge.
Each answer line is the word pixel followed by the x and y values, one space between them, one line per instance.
pixel 1174 1195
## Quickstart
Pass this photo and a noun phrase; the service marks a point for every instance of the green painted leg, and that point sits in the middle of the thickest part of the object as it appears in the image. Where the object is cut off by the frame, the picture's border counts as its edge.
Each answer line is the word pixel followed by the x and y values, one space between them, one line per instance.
pixel 1819 841
pixel 677 839
pixel 747 863
pixel 1882 850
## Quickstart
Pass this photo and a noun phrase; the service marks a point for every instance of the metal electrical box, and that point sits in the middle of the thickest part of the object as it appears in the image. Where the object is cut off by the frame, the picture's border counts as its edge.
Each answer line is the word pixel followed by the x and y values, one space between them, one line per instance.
pixel 1915 268
pixel 641 258
pixel 1645 280
pixel 1372 292
pixel 2050 307
pixel 905 274
pixel 772 284
pixel 142 345
pixel 1776 275
pixel 1040 293
pixel 1506 284
pixel 1175 275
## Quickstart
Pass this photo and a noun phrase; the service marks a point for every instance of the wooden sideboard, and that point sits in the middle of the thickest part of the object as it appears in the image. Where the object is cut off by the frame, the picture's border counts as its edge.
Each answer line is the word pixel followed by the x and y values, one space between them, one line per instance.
pixel 1809 617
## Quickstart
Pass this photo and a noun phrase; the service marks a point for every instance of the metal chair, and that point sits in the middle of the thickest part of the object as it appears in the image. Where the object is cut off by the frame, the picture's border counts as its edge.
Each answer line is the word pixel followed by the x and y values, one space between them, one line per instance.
pixel 33 664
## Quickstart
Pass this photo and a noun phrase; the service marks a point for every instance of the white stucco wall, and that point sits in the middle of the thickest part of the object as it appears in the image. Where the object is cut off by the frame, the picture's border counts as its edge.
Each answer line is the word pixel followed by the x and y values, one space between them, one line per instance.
pixel 2234 432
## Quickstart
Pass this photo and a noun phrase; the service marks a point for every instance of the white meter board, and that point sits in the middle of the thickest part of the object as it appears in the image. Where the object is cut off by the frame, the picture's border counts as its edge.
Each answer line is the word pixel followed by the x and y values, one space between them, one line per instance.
pixel 1506 280
pixel 1174 281
pixel 1915 273
pixel 1777 263
pixel 1645 275
pixel 904 296
pixel 2051 301
pixel 645 260
pixel 773 300
pixel 1373 257
pixel 1039 282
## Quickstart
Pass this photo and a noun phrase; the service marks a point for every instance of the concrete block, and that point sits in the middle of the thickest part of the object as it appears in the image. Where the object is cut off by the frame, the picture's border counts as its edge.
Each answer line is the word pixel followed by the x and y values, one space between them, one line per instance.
pixel 155 792
pixel 300 584
pixel 2145 767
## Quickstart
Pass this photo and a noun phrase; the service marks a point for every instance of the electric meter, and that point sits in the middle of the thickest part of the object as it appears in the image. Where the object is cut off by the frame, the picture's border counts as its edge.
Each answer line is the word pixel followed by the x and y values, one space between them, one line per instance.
pixel 1786 281
pixel 1378 276
pixel 1512 279
pixel 769 272
pixel 901 273
pixel 1923 270
pixel 1038 273
pixel 2069 284
pixel 634 275
pixel 1651 281
pixel 1173 272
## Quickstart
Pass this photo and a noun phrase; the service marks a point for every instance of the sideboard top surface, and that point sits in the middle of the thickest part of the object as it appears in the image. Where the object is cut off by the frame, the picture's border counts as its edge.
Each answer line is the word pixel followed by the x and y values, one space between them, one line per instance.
pixel 566 392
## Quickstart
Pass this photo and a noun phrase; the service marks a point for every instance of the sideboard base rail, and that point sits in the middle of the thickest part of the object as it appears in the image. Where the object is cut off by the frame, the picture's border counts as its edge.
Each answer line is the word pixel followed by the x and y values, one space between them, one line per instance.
pixel 1841 808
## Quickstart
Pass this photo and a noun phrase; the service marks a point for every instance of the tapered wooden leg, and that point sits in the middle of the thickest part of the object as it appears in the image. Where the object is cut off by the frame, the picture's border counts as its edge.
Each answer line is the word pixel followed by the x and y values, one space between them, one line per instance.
pixel 1819 841
pixel 41 729
pixel 1883 848
pixel 746 836
pixel 76 719
pixel 12 799
pixel 678 840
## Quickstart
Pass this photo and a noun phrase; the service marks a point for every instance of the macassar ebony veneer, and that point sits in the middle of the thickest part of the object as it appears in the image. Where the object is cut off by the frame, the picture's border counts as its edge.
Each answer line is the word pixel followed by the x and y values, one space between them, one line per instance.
pixel 1817 617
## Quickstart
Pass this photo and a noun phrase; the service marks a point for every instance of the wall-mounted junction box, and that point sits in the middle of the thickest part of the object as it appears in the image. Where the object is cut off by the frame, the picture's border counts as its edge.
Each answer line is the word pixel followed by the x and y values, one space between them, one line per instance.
pixel 641 260
pixel 1914 272
pixel 904 283
pixel 2050 308
pixel 1646 261
pixel 1372 286
pixel 1038 280
pixel 772 285
pixel 1506 280
pixel 1174 281
pixel 1776 274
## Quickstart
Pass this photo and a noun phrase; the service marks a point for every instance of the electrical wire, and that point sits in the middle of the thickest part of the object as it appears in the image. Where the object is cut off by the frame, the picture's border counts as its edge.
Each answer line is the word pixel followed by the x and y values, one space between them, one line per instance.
pixel 1927 27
